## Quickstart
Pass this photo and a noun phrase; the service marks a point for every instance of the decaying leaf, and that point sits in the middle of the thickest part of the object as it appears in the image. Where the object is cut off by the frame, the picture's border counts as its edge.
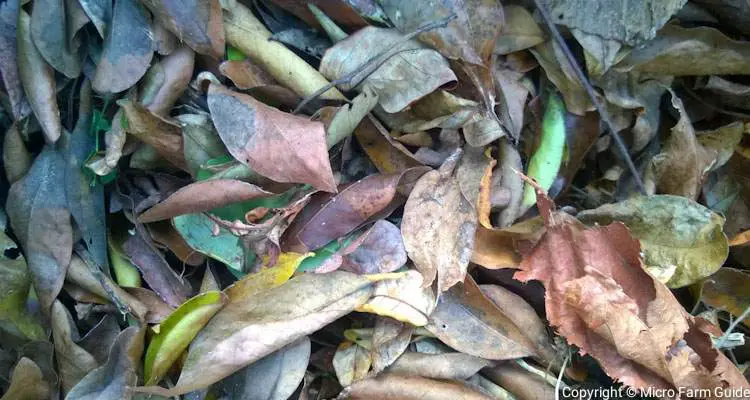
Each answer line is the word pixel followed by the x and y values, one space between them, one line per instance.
pixel 163 135
pixel 520 31
pixel 438 227
pixel 469 322
pixel 27 382
pixel 396 387
pixel 9 67
pixel 39 215
pixel 399 81
pixel 600 299
pixel 14 292
pixel 438 366
pixel 390 339
pixel 128 48
pixel 73 362
pixel 684 162
pixel 404 299
pixel 273 377
pixel 330 216
pixel 727 289
pixel 198 23
pixel 38 80
pixel 114 379
pixel 351 363
pixel 245 331
pixel 281 146
pixel 682 241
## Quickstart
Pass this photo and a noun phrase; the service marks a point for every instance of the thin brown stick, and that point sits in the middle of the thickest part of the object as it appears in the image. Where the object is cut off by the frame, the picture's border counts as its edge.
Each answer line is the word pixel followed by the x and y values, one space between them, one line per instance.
pixel 356 77
pixel 590 91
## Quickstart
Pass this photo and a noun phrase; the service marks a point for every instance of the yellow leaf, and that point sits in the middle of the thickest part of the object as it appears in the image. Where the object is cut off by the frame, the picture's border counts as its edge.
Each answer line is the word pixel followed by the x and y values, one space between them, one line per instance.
pixel 267 278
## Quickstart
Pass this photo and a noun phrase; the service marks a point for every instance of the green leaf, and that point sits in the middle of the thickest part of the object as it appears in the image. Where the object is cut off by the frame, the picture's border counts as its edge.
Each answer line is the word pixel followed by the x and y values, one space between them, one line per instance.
pixel 234 54
pixel 682 241
pixel 177 331
pixel 14 290
pixel 197 230
pixel 545 163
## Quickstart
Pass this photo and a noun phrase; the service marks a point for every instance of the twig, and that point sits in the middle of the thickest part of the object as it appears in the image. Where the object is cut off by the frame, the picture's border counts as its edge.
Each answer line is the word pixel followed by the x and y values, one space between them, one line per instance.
pixel 356 77
pixel 732 326
pixel 590 91
pixel 560 375
pixel 96 270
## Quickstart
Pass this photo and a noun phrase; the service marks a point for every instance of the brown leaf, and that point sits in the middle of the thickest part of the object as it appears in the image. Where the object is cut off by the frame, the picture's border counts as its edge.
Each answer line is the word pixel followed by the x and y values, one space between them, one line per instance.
pixel 599 297
pixel 438 366
pixel 521 383
pixel 128 49
pixel 520 31
pixel 390 338
pixel 166 81
pixel 380 250
pixel 728 290
pixel 16 157
pixel 165 136
pixel 280 146
pixel 470 36
pixel 27 382
pixel 388 155
pixel 156 272
pixel 329 217
pixel 248 330
pixel 199 23
pixel 38 212
pixel 395 387
pixel 19 106
pixel 438 227
pixel 351 363
pixel 158 310
pixel 38 80
pixel 203 196
pixel 401 80
pixel 524 317
pixel 73 362
pixel 683 164
pixel 469 322
pixel 245 74
pixel 165 234
pixel 338 10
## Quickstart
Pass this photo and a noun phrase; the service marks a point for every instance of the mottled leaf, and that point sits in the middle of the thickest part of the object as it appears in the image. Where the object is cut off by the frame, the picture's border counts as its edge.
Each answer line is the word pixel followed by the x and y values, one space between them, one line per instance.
pixel 682 241
pixel 164 135
pixel 38 212
pixel 198 23
pixel 14 291
pixel 351 363
pixel 128 48
pixel 27 382
pixel 280 146
pixel 438 227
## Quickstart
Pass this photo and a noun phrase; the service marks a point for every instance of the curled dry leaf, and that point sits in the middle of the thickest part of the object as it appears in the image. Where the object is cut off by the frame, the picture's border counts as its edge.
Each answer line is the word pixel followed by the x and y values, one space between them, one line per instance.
pixel 521 383
pixel 196 22
pixel 689 51
pixel 73 362
pixel 279 372
pixel 203 196
pixel 248 330
pixel 163 135
pixel 684 162
pixel 396 387
pixel 280 146
pixel 387 154
pixel 101 337
pixel 404 299
pixel 38 212
pixel 469 37
pixel 351 363
pixel 38 80
pixel 438 227
pixel 682 241
pixel 599 297
pixel 390 338
pixel 128 49
pixel 330 216
pixel 470 323
pixel 401 80
pixel 164 234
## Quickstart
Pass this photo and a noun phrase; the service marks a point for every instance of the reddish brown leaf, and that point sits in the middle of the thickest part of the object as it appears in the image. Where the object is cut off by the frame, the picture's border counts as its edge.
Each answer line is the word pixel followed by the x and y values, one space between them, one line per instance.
pixel 167 80
pixel 275 144
pixel 165 234
pixel 165 136
pixel 329 217
pixel 338 10
pixel 203 196
pixel 600 298
pixel 245 74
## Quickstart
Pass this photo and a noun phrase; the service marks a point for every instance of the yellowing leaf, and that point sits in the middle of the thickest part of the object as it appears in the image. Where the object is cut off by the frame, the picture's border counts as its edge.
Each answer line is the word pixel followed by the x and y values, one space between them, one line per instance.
pixel 177 331
pixel 403 299
pixel 267 278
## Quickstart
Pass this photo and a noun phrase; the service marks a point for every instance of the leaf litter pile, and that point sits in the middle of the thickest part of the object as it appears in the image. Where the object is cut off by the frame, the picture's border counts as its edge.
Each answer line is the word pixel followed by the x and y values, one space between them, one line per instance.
pixel 374 199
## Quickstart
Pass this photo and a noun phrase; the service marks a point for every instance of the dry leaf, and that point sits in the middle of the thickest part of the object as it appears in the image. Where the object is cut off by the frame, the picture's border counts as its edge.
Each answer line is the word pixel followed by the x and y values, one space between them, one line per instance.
pixel 395 387
pixel 438 227
pixel 198 23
